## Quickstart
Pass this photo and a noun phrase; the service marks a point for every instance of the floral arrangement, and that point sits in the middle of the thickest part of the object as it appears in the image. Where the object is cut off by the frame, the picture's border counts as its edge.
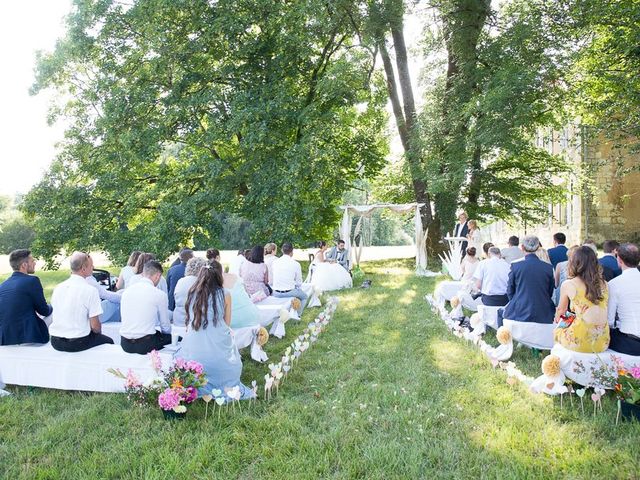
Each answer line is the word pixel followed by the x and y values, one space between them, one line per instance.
pixel 183 380
pixel 627 386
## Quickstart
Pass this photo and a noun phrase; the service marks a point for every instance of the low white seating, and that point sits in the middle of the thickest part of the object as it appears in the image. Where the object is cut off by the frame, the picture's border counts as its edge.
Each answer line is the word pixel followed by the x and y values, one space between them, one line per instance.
pixel 42 366
pixel 580 367
pixel 489 315
pixel 534 335
pixel 448 289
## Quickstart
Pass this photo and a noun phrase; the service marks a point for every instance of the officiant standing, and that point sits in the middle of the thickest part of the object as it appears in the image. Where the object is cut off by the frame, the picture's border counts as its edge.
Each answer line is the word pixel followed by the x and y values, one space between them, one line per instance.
pixel 338 254
pixel 462 230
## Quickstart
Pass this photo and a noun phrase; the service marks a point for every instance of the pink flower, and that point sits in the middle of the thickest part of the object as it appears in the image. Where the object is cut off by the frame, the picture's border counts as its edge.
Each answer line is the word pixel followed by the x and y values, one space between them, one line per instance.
pixel 169 399
pixel 156 361
pixel 635 371
pixel 131 381
pixel 195 367
pixel 180 363
pixel 190 394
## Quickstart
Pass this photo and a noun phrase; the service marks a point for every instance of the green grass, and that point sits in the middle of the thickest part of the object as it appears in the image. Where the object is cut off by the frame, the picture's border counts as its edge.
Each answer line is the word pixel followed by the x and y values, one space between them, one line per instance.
pixel 386 392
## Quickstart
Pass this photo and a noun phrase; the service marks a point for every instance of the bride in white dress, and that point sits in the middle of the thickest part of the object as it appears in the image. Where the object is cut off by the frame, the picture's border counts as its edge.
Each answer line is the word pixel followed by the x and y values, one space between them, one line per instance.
pixel 328 275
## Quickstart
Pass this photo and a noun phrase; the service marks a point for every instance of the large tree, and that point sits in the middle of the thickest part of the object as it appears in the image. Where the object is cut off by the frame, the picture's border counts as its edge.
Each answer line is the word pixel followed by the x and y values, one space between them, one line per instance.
pixel 179 111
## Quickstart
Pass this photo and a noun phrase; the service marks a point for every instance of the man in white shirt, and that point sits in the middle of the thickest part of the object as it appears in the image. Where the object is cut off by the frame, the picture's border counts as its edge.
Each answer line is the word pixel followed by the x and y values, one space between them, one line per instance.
pixel 513 251
pixel 236 263
pixel 110 301
pixel 462 230
pixel 143 307
pixel 624 302
pixel 270 250
pixel 492 277
pixel 76 310
pixel 287 276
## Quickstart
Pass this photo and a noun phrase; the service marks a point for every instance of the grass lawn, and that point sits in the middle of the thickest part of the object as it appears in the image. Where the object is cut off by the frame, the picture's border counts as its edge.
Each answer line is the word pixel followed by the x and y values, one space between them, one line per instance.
pixel 386 392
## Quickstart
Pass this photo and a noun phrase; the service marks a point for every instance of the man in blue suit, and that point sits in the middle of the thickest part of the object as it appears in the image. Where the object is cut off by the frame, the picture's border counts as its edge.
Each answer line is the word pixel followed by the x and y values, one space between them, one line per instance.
pixel 609 258
pixel 530 287
pixel 558 253
pixel 175 273
pixel 21 299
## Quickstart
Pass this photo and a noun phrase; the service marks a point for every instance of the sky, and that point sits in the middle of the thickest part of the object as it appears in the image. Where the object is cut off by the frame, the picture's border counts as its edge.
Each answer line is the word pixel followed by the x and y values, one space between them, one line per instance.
pixel 27 143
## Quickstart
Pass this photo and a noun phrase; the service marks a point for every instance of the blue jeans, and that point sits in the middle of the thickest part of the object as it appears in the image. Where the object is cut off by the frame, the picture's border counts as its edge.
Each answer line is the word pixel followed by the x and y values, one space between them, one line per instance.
pixel 110 312
pixel 297 293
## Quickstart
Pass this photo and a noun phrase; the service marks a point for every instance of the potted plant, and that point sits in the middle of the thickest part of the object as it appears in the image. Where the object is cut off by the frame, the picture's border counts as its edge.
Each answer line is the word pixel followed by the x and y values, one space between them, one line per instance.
pixel 627 390
pixel 183 380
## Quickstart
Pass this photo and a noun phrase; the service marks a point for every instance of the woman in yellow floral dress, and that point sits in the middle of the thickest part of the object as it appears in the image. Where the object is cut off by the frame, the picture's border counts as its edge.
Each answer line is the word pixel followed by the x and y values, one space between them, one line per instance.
pixel 585 294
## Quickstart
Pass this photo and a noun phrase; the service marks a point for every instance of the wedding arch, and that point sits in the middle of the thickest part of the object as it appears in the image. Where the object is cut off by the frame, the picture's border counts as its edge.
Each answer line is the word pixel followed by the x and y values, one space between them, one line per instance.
pixel 365 211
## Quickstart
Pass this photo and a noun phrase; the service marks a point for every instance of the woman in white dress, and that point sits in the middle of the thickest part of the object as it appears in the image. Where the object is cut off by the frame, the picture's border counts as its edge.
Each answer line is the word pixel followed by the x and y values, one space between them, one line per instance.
pixel 474 236
pixel 328 275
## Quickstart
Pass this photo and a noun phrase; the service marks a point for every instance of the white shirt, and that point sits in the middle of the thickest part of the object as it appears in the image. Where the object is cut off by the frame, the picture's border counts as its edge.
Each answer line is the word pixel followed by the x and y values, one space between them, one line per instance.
pixel 104 292
pixel 494 275
pixel 458 230
pixel 74 301
pixel 511 253
pixel 126 273
pixel 624 298
pixel 143 307
pixel 287 274
pixel 236 263
pixel 162 284
pixel 268 261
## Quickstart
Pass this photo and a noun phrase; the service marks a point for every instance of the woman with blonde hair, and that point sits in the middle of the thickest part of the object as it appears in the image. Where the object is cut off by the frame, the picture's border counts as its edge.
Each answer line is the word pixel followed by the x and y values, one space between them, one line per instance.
pixel 474 236
pixel 128 271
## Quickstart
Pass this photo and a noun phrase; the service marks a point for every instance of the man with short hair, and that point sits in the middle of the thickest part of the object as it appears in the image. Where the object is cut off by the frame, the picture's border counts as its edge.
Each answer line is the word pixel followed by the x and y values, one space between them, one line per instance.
pixel 287 276
pixel 338 254
pixel 21 301
pixel 462 230
pixel 175 273
pixel 512 252
pixel 270 250
pixel 143 308
pixel 607 273
pixel 609 259
pixel 558 253
pixel 76 310
pixel 491 278
pixel 623 309
pixel 530 287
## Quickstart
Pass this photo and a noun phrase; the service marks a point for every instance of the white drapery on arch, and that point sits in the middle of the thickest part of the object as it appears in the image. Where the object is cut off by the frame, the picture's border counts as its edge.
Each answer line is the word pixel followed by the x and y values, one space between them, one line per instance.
pixel 366 211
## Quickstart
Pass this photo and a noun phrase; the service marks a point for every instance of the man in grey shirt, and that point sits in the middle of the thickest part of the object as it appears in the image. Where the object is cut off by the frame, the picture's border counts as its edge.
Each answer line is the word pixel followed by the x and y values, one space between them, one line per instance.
pixel 512 252
pixel 338 254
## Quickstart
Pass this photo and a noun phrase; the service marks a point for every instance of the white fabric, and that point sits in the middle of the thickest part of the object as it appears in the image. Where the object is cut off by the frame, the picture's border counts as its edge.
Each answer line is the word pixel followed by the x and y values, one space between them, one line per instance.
pixel 330 276
pixel 476 242
pixel 624 298
pixel 104 292
pixel 579 367
pixel 531 334
pixel 287 273
pixel 494 275
pixel 268 261
pixel 74 301
pixel 489 315
pixel 448 289
pixel 126 273
pixel 236 263
pixel 468 268
pixel 162 284
pixel 143 307
pixel 42 366
pixel 511 254
pixel 452 259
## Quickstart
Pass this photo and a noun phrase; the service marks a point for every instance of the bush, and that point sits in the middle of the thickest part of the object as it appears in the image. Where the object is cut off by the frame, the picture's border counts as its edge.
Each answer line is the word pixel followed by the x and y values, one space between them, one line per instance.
pixel 15 233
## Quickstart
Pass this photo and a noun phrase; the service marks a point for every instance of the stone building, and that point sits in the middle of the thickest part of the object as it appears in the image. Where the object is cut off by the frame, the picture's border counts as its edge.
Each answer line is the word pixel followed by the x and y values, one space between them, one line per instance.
pixel 608 205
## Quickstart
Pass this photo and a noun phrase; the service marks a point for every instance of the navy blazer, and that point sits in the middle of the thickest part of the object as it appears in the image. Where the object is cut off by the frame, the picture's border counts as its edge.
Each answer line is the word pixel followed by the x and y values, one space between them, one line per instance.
pixel 463 231
pixel 174 274
pixel 611 262
pixel 21 296
pixel 557 254
pixel 529 290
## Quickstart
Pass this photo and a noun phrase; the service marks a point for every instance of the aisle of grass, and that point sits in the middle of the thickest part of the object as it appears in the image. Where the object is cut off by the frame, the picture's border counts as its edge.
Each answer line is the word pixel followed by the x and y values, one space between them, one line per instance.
pixel 386 392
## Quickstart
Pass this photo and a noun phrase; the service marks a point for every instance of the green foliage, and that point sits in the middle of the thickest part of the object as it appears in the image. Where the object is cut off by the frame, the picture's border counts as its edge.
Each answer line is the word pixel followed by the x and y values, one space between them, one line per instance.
pixel 180 112
pixel 14 234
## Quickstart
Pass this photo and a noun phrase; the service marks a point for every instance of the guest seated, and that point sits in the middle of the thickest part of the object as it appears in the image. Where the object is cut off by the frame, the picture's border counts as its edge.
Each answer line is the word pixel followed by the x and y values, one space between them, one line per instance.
pixel 255 275
pixel 213 254
pixel 558 253
pixel 607 273
pixel 585 295
pixel 485 248
pixel 182 288
pixel 270 251
pixel 209 339
pixel 512 252
pixel 287 276
pixel 142 259
pixel 469 264
pixel 624 302
pixel 244 313
pixel 128 271
pixel 110 301
pixel 143 307
pixel 491 279
pixel 529 289
pixel 543 255
pixel 175 273
pixel 609 259
pixel 21 301
pixel 561 273
pixel 338 254
pixel 76 310
pixel 237 262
